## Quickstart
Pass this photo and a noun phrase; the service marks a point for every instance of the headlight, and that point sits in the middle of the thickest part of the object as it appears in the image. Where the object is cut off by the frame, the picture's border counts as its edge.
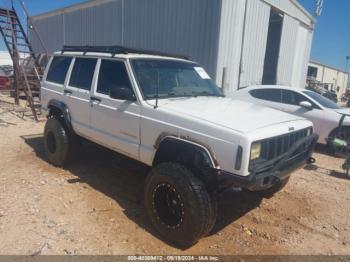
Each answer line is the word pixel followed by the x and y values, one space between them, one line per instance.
pixel 255 151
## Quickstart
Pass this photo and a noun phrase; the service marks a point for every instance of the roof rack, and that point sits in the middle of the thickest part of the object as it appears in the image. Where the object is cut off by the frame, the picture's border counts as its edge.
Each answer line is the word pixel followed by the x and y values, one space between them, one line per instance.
pixel 115 49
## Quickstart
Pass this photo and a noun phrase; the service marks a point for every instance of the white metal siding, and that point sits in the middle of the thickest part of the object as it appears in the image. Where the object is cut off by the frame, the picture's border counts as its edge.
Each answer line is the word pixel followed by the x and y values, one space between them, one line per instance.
pixel 52 26
pixel 302 56
pixel 95 25
pixel 188 27
pixel 293 9
pixel 287 50
pixel 230 41
pixel 306 58
pixel 256 29
pixel 209 31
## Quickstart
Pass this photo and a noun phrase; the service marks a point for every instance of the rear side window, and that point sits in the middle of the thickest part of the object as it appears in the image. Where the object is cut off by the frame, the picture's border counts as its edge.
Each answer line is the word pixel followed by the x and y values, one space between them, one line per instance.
pixel 58 69
pixel 83 73
pixel 112 74
pixel 274 95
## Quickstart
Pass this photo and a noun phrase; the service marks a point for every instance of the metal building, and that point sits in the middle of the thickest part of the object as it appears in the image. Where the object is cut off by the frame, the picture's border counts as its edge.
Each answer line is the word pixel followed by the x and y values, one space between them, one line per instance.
pixel 328 78
pixel 239 42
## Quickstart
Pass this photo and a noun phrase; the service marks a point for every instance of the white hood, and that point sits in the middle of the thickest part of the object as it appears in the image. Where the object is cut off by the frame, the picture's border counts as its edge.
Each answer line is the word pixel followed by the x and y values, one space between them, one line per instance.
pixel 226 112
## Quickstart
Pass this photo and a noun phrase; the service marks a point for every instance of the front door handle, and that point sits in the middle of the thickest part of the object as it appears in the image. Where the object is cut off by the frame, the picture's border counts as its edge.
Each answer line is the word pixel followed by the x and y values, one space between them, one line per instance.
pixel 67 92
pixel 95 99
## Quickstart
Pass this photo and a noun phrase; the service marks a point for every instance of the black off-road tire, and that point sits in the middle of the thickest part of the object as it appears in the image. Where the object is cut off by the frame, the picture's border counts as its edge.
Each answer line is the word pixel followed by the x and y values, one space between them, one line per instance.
pixel 213 213
pixel 60 144
pixel 188 214
pixel 270 192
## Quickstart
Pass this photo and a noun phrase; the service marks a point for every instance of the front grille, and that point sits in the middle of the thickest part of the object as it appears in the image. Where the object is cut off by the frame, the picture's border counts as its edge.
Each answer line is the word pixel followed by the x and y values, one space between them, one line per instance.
pixel 272 148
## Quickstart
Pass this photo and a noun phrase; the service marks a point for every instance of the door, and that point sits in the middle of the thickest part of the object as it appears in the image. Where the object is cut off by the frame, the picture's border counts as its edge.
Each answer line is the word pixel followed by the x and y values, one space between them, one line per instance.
pixel 77 94
pixel 290 104
pixel 115 113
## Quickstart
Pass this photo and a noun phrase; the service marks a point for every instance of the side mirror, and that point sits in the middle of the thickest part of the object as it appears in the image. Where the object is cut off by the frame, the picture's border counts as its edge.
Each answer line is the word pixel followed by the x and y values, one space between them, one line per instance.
pixel 306 104
pixel 122 93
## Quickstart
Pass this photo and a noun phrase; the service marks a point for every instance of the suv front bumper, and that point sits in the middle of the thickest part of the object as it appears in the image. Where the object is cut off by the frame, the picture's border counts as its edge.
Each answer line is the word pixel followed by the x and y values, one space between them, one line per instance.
pixel 280 168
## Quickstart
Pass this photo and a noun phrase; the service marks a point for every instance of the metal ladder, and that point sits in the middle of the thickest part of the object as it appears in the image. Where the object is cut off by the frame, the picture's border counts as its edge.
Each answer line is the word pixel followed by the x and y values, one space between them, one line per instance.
pixel 27 72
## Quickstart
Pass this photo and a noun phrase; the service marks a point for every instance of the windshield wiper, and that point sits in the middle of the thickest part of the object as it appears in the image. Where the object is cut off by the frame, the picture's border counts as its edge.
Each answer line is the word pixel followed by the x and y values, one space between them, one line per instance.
pixel 161 95
pixel 203 93
pixel 173 94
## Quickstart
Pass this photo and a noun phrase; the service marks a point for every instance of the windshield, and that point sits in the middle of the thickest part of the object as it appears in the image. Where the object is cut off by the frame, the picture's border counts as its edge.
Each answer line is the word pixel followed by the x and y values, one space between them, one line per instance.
pixel 322 100
pixel 172 79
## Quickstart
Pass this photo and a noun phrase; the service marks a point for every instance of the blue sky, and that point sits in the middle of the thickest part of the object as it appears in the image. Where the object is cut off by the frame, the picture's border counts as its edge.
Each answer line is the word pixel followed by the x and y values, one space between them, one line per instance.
pixel 39 6
pixel 331 42
pixel 331 38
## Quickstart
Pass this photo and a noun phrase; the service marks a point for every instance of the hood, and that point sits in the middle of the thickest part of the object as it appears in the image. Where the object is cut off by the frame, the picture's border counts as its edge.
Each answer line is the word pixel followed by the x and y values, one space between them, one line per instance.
pixel 344 111
pixel 230 113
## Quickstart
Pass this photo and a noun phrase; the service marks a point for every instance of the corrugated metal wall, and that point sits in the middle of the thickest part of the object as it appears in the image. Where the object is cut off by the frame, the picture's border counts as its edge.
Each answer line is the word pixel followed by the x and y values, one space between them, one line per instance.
pixel 189 27
pixel 287 50
pixel 306 57
pixel 209 31
pixel 256 29
pixel 51 30
pixel 98 25
pixel 302 56
pixel 291 60
pixel 230 43
pixel 292 9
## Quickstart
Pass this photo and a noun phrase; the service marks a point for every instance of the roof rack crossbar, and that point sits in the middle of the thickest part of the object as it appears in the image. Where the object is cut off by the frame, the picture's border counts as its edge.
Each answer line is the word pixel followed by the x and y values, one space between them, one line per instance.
pixel 116 50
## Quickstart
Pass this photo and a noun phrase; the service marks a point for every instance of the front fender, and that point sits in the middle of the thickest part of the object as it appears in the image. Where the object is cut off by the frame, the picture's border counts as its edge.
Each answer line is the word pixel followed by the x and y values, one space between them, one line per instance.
pixel 63 109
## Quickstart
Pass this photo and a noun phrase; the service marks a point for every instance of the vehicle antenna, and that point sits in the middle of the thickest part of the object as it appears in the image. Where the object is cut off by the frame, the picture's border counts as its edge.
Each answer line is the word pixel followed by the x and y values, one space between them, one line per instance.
pixel 157 92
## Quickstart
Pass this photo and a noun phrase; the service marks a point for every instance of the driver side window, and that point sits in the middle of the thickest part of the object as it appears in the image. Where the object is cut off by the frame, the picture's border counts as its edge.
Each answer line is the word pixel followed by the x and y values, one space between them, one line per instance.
pixel 112 76
pixel 293 98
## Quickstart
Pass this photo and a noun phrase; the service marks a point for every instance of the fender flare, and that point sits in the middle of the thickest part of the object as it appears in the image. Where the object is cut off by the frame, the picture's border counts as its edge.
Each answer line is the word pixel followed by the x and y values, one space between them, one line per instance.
pixel 204 149
pixel 65 112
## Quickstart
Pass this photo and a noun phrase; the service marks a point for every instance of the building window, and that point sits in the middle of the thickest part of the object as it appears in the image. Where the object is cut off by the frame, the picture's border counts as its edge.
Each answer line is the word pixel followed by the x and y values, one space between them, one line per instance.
pixel 312 71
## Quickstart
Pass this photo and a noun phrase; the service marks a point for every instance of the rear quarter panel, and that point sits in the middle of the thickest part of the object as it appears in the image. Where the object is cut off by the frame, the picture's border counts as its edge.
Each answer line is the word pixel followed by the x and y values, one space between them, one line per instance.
pixel 50 91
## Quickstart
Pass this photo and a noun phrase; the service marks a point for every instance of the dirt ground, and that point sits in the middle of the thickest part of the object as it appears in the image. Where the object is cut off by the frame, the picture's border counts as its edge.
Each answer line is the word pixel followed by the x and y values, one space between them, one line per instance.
pixel 94 206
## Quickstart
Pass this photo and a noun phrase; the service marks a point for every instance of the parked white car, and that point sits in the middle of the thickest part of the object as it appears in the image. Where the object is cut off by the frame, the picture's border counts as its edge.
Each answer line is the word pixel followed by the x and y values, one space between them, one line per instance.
pixel 167 113
pixel 321 111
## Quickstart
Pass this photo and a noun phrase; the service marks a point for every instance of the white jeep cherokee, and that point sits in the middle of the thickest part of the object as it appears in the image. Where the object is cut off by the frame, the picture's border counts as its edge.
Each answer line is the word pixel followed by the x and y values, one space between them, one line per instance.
pixel 167 113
